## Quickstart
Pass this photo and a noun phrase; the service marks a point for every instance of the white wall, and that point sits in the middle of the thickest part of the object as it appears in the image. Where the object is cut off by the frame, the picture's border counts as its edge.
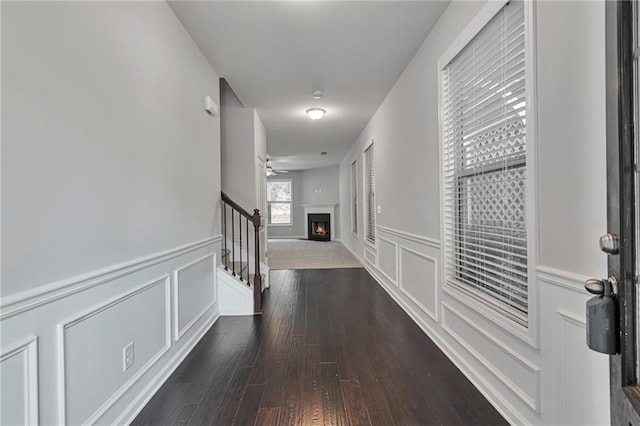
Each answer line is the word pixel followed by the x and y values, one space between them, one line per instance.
pixel 110 198
pixel 549 377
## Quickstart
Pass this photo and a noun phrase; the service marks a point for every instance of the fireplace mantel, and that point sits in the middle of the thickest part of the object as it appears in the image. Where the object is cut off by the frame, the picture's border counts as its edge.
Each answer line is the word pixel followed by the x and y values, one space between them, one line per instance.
pixel 320 208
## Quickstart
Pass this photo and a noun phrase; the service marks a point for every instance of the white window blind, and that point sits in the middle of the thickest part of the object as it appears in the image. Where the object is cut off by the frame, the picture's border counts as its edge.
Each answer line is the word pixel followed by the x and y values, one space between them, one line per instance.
pixel 354 197
pixel 484 165
pixel 370 194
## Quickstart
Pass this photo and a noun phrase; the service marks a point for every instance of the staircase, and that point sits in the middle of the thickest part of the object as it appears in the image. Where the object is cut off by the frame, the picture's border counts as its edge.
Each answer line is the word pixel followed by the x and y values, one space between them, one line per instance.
pixel 242 279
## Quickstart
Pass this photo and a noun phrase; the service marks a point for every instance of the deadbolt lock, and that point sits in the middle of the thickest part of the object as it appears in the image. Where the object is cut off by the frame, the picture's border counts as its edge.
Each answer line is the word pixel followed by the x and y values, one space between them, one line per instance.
pixel 610 243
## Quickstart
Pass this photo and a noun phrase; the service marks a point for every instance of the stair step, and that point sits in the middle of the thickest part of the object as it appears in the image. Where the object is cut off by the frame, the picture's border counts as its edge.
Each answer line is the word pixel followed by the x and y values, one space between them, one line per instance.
pixel 238 267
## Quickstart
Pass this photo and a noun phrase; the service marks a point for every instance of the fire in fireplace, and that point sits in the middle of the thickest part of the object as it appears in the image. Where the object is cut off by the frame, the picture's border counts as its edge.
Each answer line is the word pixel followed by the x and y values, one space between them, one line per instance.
pixel 319 228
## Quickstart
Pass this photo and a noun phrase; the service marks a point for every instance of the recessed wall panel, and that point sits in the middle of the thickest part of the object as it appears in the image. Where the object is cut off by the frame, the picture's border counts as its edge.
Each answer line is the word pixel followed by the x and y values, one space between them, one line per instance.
pixel 418 274
pixel 92 371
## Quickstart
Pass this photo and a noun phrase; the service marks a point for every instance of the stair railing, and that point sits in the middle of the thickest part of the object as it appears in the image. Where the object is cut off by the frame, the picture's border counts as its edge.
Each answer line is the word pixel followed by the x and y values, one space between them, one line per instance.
pixel 244 247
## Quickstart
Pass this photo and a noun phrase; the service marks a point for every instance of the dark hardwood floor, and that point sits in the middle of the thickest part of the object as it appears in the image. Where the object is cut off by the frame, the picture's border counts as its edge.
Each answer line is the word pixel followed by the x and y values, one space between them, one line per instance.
pixel 332 348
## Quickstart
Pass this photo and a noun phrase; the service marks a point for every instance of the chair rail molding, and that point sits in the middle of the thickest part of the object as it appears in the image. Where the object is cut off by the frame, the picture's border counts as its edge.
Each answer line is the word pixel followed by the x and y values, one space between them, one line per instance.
pixel 430 242
pixel 31 299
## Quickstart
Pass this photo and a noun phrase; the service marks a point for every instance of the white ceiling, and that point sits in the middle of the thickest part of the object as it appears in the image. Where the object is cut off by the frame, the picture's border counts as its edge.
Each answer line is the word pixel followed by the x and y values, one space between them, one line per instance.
pixel 275 53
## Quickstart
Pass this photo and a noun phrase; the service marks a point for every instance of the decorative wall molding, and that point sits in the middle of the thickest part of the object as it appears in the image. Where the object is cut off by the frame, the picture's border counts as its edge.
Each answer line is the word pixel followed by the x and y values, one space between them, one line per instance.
pixel 430 242
pixel 31 299
pixel 370 257
pixel 28 349
pixel 561 278
pixel 533 401
pixel 393 279
pixel 79 318
pixel 179 332
pixel 133 409
pixel 432 314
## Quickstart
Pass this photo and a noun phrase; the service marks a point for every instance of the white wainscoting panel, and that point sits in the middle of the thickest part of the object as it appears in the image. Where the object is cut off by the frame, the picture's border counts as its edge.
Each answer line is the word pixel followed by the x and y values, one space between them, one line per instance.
pixel 418 280
pixel 19 390
pixel 370 256
pixel 576 379
pixel 388 259
pixel 194 292
pixel 518 374
pixel 91 376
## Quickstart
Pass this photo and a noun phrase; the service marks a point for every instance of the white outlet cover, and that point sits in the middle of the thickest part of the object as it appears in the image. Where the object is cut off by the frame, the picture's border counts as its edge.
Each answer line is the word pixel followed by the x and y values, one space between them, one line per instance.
pixel 379 209
pixel 128 356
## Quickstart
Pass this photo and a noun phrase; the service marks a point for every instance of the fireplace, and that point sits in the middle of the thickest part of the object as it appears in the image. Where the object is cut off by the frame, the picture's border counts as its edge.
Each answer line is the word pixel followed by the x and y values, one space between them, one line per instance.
pixel 319 226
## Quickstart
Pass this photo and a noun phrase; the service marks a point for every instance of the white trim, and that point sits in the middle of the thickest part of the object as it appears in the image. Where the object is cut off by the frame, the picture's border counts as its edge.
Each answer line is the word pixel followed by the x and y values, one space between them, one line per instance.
pixel 31 299
pixel 88 313
pixel 530 333
pixel 471 30
pixel 566 317
pixel 430 242
pixel 177 331
pixel 28 347
pixel 433 315
pixel 565 279
pixel 482 308
pixel 532 402
pixel 394 280
pixel 133 409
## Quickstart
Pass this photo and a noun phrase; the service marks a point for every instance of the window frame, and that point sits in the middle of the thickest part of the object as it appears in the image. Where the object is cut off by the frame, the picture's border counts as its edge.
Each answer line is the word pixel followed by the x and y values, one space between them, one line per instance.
pixel 353 175
pixel 269 203
pixel 370 243
pixel 530 333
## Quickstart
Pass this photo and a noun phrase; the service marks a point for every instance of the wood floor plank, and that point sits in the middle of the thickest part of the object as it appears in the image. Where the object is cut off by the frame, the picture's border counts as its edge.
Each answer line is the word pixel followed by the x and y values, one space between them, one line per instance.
pixel 267 417
pixel 355 406
pixel 247 412
pixel 312 409
pixel 332 401
pixel 331 348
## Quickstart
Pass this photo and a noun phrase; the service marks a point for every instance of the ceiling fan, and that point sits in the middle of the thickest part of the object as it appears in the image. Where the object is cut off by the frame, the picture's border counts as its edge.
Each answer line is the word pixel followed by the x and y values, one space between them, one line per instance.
pixel 271 172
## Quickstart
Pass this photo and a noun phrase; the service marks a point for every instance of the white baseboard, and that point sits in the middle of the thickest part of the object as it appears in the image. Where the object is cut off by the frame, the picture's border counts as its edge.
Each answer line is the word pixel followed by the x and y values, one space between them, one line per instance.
pixel 135 407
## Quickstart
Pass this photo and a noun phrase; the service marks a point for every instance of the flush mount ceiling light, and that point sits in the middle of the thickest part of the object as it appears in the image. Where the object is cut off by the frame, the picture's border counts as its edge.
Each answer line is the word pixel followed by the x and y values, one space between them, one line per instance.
pixel 316 113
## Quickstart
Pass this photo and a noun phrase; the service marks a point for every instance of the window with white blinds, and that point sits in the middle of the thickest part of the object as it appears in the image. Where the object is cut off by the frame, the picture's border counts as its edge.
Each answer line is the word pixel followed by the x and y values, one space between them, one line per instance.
pixel 484 165
pixel 354 197
pixel 370 194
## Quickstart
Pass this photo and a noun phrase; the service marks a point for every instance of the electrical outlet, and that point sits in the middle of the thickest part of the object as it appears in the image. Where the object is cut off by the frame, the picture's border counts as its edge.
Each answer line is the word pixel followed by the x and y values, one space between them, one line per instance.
pixel 379 209
pixel 127 357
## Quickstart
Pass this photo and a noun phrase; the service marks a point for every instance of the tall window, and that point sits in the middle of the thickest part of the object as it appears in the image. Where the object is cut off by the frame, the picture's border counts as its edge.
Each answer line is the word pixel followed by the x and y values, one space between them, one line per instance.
pixel 370 194
pixel 279 202
pixel 484 165
pixel 354 197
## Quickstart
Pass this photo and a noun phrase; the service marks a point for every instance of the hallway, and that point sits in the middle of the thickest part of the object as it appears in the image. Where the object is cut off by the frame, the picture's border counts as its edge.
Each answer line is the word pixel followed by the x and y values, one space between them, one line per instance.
pixel 331 348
